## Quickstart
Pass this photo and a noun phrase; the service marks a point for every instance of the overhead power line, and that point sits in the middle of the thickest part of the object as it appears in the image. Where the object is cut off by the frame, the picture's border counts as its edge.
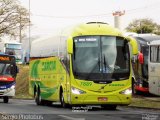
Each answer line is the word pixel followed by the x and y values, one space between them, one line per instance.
pixel 68 17
pixel 96 15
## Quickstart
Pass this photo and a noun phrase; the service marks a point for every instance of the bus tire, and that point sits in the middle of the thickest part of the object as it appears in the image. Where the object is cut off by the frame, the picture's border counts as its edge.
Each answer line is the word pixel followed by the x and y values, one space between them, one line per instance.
pixel 5 99
pixel 38 99
pixel 63 104
pixel 134 91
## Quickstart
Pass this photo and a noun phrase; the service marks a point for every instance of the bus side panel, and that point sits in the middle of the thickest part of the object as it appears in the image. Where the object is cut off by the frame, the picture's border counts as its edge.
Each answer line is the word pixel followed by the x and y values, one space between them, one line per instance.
pixel 33 76
pixel 49 75
pixel 154 78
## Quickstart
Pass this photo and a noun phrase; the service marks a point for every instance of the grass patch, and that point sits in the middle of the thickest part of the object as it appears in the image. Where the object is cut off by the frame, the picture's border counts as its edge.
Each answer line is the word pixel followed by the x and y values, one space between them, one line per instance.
pixel 145 103
pixel 22 83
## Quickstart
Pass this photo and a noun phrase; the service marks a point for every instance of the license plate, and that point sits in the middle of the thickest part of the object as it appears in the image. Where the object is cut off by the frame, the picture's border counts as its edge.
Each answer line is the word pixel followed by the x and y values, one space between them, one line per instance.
pixel 102 99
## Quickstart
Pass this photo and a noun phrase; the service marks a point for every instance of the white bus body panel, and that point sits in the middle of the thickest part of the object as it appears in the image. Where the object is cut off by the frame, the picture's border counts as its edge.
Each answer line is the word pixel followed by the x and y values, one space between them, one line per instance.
pixel 154 73
pixel 154 78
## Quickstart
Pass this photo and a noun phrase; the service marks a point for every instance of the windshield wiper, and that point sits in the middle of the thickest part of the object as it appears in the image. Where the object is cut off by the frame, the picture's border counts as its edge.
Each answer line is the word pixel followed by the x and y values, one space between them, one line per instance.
pixel 108 82
pixel 104 63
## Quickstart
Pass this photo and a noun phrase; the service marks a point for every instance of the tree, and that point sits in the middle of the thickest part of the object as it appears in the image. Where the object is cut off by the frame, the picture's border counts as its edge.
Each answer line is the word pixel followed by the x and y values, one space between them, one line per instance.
pixel 143 26
pixel 13 18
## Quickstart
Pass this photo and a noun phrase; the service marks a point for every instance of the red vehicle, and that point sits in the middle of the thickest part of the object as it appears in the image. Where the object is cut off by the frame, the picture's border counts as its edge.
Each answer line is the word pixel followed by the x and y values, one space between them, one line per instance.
pixel 8 72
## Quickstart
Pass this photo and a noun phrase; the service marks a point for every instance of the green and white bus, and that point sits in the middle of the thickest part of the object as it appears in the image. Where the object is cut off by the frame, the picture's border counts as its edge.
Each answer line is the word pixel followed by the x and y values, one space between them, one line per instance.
pixel 89 65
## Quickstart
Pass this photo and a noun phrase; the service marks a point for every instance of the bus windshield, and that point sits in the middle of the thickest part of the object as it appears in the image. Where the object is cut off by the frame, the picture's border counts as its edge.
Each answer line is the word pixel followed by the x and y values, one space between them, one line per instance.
pixel 13 46
pixel 16 52
pixel 101 58
pixel 5 69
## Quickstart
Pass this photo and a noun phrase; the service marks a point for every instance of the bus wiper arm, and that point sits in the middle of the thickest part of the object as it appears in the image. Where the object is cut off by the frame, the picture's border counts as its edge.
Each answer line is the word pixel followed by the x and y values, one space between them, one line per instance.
pixel 108 82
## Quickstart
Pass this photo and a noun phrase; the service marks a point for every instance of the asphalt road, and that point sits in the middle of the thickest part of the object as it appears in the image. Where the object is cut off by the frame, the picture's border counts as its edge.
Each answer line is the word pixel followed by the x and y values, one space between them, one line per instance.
pixel 28 110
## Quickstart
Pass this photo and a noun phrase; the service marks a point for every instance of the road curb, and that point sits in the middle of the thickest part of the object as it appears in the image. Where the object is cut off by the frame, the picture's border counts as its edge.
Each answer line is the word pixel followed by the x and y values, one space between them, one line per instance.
pixel 143 107
pixel 153 99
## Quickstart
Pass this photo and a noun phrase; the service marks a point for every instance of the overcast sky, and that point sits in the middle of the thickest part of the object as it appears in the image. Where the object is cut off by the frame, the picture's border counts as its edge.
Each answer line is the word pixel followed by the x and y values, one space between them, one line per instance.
pixel 48 15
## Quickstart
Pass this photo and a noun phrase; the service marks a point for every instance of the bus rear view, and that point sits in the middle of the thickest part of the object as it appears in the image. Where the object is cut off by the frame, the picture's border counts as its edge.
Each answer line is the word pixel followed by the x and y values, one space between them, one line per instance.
pixel 8 71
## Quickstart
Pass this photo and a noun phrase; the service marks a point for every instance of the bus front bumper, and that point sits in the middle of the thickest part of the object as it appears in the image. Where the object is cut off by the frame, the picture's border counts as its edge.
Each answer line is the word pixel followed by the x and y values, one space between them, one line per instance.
pixel 7 92
pixel 101 99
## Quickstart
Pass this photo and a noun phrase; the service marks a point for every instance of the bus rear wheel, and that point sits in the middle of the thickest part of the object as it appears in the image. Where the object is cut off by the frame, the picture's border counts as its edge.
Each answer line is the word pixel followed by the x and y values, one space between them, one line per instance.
pixel 38 99
pixel 5 99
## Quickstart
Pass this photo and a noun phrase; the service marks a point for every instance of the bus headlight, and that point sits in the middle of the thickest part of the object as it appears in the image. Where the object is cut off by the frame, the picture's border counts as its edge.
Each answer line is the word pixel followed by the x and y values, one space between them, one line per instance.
pixel 126 91
pixel 77 91
pixel 13 86
pixel 10 89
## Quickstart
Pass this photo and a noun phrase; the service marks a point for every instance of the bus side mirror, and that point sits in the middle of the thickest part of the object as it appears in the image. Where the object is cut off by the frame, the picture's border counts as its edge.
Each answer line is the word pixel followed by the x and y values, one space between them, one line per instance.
pixel 141 58
pixel 134 45
pixel 17 69
pixel 70 46
pixel 14 70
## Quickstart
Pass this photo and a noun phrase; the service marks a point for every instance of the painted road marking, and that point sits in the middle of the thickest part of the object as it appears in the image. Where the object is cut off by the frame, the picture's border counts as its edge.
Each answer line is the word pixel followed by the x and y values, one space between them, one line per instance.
pixel 70 118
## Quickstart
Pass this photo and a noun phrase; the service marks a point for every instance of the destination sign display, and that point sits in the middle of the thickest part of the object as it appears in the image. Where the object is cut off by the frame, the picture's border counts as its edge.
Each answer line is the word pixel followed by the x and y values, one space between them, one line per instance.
pixel 4 58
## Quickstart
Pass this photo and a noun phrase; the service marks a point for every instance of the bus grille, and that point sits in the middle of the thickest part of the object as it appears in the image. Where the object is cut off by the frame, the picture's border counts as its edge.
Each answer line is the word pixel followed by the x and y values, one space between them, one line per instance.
pixel 6 83
pixel 1 93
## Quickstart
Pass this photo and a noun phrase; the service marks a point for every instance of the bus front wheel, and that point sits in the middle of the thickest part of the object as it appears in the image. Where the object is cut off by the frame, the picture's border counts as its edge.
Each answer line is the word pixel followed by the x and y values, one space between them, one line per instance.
pixel 5 99
pixel 134 91
pixel 63 104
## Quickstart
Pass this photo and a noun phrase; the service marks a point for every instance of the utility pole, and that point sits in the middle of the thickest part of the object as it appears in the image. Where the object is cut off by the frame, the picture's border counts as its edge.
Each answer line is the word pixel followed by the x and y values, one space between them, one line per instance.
pixel 29 30
pixel 20 28
pixel 140 25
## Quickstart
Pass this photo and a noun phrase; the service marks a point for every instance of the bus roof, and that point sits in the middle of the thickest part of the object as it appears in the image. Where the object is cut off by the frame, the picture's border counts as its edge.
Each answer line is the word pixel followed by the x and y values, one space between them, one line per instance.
pixel 155 42
pixel 147 38
pixel 51 45
pixel 11 42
